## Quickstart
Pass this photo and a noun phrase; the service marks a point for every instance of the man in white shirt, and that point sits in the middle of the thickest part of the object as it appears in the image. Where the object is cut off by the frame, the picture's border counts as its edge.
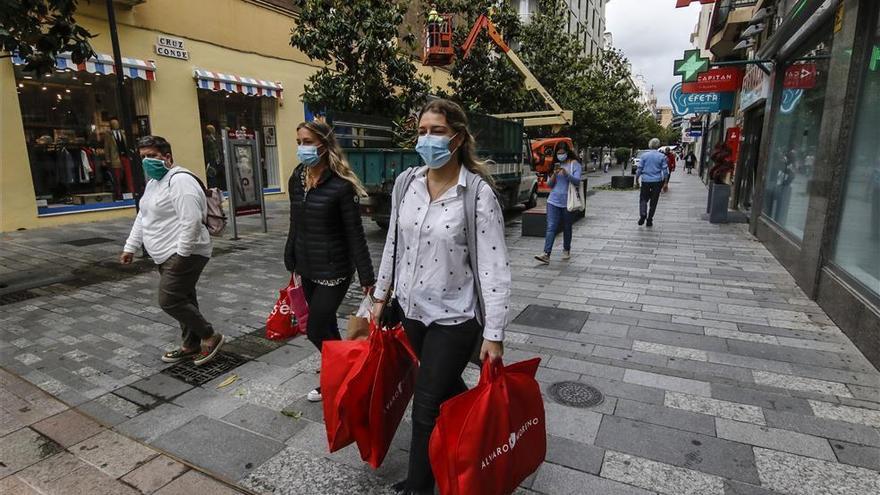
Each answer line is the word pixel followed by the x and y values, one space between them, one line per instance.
pixel 170 226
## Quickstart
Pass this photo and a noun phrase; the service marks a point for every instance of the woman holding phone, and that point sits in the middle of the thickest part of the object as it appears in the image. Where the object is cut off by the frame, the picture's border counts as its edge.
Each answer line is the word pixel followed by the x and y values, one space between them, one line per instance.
pixel 567 170
pixel 445 268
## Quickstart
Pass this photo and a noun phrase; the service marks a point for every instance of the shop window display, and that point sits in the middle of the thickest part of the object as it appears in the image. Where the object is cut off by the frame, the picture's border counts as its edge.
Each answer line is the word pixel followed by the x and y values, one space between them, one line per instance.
pixel 857 247
pixel 795 137
pixel 220 112
pixel 78 152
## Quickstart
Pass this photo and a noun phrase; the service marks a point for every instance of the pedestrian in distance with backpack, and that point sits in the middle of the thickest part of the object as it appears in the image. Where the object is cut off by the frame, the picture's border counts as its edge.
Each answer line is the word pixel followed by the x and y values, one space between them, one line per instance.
pixel 173 226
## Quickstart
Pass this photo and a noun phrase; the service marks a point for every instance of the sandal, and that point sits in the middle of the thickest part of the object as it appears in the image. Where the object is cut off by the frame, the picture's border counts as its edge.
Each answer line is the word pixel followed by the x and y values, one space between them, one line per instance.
pixel 209 353
pixel 178 355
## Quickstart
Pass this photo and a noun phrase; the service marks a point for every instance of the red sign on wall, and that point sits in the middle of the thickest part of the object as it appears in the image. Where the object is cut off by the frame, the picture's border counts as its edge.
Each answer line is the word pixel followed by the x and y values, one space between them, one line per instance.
pixel 801 76
pixel 734 136
pixel 718 80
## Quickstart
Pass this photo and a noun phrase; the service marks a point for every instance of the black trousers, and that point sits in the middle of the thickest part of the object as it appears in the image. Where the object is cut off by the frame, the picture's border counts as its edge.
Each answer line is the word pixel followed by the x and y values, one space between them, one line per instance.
pixel 178 277
pixel 443 351
pixel 323 303
pixel 650 192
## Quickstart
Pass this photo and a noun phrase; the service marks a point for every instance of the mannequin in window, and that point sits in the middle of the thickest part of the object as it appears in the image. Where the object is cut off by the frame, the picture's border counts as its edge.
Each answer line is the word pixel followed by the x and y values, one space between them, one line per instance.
pixel 213 163
pixel 117 156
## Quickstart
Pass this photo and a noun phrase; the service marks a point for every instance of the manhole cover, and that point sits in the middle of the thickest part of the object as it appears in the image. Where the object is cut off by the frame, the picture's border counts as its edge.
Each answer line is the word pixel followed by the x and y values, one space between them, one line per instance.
pixel 576 394
pixel 199 375
pixel 89 241
pixel 14 297
pixel 565 320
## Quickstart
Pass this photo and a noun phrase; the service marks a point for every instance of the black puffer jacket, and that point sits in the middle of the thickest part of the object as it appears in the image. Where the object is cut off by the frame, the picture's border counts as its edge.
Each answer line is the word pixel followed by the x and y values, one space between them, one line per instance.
pixel 326 239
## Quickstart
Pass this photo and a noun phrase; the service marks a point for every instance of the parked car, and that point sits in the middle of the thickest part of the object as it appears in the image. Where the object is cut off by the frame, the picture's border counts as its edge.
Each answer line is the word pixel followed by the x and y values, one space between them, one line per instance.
pixel 636 160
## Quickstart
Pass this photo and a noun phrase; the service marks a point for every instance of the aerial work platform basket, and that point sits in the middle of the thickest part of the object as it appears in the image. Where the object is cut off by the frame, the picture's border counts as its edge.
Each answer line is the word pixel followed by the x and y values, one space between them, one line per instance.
pixel 438 49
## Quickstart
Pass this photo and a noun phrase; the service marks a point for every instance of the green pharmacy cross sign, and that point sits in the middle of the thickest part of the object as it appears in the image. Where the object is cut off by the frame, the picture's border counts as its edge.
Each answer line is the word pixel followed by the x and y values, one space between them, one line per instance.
pixel 691 66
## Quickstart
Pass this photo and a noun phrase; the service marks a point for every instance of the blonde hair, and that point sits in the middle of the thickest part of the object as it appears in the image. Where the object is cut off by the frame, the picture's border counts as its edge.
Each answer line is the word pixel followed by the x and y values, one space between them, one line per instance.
pixel 335 158
pixel 457 120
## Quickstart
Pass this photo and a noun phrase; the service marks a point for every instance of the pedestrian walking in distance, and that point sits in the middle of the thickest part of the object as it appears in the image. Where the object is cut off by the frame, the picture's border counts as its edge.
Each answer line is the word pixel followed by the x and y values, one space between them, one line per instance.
pixel 652 172
pixel 326 241
pixel 170 226
pixel 606 162
pixel 670 162
pixel 690 160
pixel 450 288
pixel 567 170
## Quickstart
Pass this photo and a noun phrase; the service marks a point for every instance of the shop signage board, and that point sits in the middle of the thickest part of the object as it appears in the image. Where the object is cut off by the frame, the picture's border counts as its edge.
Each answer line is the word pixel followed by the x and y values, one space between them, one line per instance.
pixel 755 87
pixel 684 104
pixel 171 47
pixel 800 76
pixel 718 80
pixel 244 174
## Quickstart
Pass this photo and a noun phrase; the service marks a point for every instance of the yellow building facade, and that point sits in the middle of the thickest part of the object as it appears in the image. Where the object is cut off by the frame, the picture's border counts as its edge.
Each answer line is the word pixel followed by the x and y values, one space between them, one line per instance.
pixel 193 66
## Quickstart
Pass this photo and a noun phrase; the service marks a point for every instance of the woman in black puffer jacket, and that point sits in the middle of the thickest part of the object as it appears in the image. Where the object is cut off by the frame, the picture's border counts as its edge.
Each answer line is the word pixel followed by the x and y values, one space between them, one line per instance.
pixel 326 241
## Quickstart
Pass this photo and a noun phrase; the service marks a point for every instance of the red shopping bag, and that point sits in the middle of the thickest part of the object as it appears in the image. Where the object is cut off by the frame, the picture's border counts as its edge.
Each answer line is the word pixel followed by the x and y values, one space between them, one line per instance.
pixel 290 315
pixel 278 324
pixel 393 386
pixel 341 360
pixel 366 386
pixel 492 437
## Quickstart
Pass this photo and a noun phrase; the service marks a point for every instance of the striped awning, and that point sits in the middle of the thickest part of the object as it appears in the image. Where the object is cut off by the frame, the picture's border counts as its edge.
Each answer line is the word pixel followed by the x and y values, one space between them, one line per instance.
pixel 216 81
pixel 102 64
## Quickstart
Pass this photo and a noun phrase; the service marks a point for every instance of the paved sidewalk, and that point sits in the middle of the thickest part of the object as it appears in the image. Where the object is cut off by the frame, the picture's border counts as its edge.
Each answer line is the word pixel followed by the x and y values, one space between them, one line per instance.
pixel 719 376
pixel 48 448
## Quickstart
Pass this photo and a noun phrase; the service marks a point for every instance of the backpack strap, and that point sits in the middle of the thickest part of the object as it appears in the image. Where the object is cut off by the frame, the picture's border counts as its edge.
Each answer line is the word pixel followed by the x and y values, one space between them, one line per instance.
pixel 194 176
pixel 471 193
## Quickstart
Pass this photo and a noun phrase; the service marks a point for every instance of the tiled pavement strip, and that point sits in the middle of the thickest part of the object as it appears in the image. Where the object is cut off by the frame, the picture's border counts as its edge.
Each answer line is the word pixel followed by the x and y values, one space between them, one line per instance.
pixel 719 375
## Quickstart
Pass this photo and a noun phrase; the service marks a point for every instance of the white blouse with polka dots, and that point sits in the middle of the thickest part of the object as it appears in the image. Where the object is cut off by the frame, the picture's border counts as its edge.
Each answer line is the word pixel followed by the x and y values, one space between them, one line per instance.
pixel 434 280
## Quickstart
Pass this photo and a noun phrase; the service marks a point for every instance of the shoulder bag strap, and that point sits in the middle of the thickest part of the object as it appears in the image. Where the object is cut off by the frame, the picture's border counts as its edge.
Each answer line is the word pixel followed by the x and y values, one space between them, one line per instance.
pixel 398 198
pixel 475 183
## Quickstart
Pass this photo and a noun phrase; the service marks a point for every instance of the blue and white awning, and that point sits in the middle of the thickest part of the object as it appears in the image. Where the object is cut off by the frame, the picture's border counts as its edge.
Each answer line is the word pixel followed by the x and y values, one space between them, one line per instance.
pixel 102 64
pixel 216 81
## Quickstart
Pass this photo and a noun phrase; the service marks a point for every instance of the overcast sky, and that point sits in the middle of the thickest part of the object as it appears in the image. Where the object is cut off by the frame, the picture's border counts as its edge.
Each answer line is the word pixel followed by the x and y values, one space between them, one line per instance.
pixel 652 34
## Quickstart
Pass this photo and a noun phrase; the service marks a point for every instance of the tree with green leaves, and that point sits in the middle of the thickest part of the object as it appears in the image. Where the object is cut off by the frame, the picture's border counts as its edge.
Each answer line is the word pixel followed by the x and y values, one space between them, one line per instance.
pixel 39 30
pixel 368 63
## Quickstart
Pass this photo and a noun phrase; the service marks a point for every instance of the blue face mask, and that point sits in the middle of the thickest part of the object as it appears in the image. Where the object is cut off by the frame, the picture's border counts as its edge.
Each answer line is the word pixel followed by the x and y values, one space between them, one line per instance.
pixel 154 168
pixel 308 155
pixel 561 156
pixel 434 150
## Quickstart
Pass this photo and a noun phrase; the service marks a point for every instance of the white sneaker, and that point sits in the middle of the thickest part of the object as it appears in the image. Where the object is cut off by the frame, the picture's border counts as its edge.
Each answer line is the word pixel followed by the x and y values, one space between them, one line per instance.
pixel 314 395
pixel 566 255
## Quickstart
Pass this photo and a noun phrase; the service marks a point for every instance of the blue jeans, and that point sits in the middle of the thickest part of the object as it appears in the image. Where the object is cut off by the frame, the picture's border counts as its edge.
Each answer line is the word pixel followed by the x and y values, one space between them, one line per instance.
pixel 557 216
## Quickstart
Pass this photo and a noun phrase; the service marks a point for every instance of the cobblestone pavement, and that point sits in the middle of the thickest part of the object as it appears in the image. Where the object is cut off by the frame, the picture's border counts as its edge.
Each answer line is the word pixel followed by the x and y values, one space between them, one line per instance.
pixel 719 376
pixel 48 448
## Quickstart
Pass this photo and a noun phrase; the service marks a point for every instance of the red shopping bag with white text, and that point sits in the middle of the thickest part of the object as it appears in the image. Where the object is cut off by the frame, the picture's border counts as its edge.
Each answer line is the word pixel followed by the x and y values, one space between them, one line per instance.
pixel 492 437
pixel 366 386
pixel 279 324
pixel 287 319
pixel 394 382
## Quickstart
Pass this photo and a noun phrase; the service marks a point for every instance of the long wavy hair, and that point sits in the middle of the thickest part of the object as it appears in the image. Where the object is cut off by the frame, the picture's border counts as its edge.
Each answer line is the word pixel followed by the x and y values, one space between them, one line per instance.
pixel 334 156
pixel 457 120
